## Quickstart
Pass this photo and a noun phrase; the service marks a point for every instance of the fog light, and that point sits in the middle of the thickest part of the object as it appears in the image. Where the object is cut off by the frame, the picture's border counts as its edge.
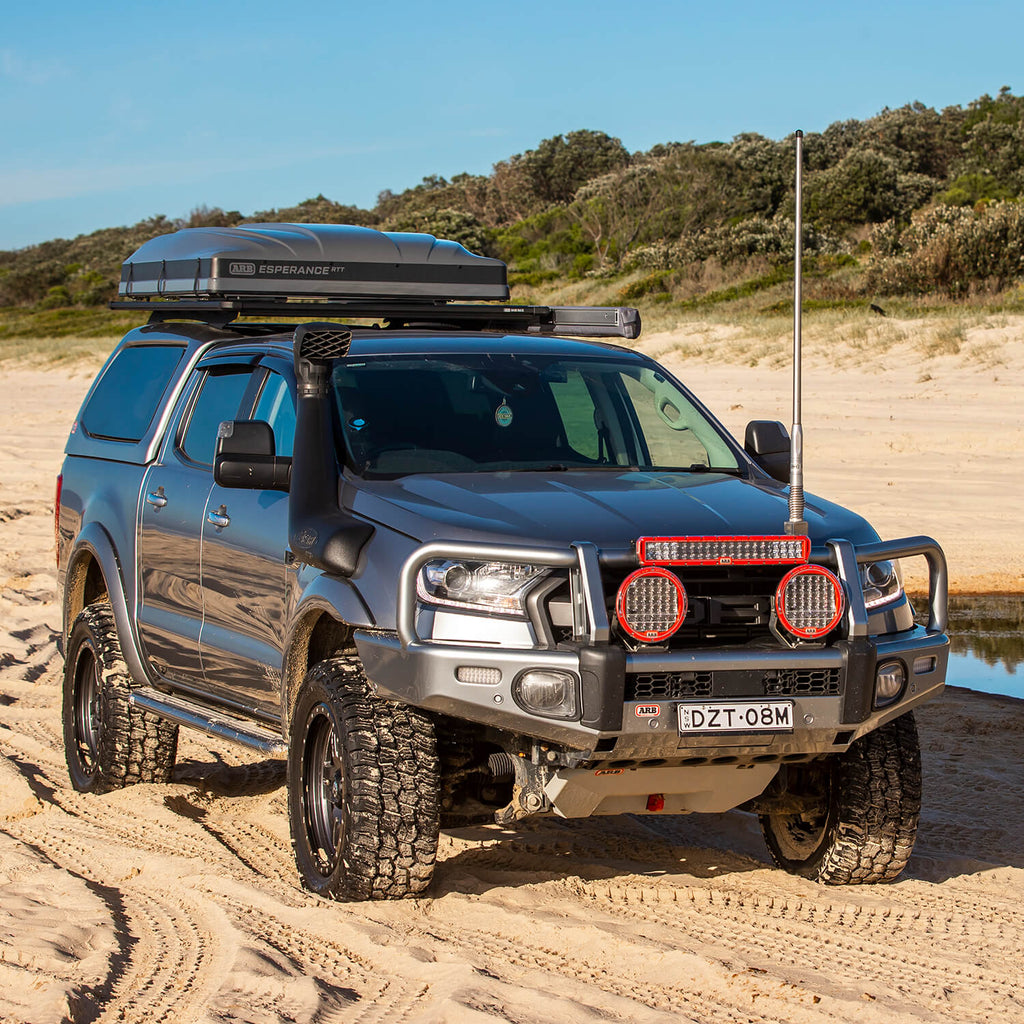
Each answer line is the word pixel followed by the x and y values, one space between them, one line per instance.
pixel 547 692
pixel 890 679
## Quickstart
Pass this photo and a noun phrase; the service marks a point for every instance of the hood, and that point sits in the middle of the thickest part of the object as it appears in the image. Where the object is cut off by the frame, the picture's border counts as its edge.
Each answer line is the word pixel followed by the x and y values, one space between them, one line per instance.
pixel 610 509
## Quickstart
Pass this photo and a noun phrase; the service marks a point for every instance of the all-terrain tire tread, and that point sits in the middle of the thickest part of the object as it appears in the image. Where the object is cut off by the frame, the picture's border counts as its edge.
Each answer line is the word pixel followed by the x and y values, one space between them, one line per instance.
pixel 876 806
pixel 881 778
pixel 134 745
pixel 392 789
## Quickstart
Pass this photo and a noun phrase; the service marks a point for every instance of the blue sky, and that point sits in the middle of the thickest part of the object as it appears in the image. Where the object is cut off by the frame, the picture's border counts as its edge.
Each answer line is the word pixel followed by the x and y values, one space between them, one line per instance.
pixel 113 112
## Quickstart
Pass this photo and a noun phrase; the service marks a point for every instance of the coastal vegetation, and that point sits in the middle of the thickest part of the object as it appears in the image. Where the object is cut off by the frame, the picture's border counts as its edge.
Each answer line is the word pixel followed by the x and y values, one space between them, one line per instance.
pixel 914 207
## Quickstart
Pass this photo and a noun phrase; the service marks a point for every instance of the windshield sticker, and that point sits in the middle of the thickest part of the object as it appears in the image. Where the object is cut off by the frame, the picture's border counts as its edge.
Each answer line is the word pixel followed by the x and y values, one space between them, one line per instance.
pixel 503 415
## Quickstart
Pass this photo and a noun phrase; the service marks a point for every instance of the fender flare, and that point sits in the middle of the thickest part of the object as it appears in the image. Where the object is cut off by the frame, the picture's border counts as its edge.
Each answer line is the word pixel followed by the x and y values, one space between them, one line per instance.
pixel 325 595
pixel 96 542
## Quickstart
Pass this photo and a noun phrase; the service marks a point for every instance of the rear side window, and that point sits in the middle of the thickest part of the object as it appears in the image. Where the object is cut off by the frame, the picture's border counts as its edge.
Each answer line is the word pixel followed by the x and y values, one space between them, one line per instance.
pixel 128 394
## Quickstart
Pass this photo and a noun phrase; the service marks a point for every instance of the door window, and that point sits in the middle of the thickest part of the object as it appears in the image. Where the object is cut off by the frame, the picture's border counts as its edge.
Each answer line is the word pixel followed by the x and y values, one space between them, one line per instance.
pixel 277 407
pixel 220 394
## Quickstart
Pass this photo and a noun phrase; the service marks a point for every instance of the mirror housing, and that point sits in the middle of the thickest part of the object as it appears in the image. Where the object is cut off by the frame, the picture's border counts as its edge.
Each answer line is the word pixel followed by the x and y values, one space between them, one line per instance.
pixel 768 443
pixel 245 457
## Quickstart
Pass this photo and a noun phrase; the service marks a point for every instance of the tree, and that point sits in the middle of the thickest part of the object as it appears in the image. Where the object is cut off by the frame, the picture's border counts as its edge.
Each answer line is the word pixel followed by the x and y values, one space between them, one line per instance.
pixel 614 210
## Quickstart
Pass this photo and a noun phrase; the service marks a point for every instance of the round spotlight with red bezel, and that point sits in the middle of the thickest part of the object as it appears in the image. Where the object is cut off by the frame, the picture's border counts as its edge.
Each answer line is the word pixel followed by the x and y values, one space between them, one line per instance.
pixel 651 604
pixel 809 601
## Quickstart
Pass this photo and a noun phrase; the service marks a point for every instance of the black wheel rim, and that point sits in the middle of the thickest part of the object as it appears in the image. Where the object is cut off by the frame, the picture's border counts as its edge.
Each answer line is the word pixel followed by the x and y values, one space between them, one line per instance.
pixel 87 710
pixel 323 789
pixel 799 835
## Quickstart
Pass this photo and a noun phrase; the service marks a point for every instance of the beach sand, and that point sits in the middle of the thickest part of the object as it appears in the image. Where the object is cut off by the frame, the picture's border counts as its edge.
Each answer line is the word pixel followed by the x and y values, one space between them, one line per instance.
pixel 180 903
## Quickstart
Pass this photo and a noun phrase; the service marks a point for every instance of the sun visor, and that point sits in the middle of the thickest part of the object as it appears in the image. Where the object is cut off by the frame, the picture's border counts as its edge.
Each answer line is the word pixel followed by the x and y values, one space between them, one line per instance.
pixel 314 260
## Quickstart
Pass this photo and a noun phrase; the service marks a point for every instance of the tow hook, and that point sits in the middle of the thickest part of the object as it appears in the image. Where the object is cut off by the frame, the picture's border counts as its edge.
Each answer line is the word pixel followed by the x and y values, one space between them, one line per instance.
pixel 528 795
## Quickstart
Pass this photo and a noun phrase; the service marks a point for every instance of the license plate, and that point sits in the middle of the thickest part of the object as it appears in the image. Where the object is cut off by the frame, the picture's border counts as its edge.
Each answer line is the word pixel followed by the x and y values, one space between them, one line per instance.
pixel 748 716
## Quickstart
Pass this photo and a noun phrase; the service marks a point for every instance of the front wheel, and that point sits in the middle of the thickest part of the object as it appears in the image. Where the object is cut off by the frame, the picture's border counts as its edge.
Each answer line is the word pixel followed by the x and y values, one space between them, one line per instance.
pixel 868 805
pixel 363 787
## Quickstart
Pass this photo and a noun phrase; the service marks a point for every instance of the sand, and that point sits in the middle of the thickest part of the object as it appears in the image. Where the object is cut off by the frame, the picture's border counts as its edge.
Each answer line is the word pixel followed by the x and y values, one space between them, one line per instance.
pixel 180 903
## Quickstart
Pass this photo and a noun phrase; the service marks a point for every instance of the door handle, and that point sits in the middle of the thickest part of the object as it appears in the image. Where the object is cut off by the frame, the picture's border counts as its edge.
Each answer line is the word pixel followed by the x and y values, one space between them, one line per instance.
pixel 220 518
pixel 157 498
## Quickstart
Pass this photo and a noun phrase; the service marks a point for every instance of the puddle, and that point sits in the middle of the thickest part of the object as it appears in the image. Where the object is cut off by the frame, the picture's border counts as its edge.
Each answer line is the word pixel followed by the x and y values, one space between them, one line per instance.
pixel 987 643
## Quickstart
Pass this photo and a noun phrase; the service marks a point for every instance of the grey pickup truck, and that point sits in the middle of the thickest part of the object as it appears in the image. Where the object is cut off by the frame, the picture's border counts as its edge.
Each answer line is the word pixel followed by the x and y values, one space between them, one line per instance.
pixel 338 501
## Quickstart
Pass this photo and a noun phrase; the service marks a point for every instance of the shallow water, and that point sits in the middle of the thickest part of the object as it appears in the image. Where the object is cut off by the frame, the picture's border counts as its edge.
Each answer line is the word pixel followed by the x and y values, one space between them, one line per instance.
pixel 987 643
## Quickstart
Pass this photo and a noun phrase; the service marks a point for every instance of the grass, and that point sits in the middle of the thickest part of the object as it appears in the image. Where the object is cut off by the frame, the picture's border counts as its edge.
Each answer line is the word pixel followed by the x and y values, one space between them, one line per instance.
pixel 738 314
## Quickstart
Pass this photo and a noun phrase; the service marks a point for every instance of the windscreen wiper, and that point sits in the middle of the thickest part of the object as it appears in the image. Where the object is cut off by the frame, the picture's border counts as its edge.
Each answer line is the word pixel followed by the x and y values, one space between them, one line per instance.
pixel 699 467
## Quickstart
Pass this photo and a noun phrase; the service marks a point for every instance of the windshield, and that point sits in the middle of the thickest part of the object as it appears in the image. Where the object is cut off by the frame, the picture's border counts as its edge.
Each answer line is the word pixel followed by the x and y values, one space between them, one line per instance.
pixel 474 413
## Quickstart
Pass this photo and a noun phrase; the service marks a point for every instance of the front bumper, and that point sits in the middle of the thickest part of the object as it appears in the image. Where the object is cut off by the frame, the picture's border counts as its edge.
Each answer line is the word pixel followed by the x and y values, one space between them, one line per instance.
pixel 424 673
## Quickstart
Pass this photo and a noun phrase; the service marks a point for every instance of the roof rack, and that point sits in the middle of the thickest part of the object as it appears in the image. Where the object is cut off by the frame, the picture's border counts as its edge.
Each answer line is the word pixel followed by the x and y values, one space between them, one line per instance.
pixel 570 321
pixel 214 275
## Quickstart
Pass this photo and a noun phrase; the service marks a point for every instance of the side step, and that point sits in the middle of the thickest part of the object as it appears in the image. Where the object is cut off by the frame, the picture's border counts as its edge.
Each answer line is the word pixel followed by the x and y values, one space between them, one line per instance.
pixel 213 723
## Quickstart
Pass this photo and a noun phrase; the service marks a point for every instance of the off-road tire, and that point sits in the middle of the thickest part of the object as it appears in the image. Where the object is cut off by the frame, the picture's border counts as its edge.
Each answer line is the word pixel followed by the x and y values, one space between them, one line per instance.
pixel 108 743
pixel 363 788
pixel 867 823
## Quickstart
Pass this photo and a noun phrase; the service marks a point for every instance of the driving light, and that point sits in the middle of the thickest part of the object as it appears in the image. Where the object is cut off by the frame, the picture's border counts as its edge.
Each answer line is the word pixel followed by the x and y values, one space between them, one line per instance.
pixel 809 602
pixel 496 587
pixel 546 692
pixel 890 679
pixel 651 604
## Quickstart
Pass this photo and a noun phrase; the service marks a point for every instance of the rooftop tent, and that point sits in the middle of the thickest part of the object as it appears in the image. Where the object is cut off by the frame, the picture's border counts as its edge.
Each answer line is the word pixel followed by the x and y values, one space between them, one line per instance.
pixel 308 260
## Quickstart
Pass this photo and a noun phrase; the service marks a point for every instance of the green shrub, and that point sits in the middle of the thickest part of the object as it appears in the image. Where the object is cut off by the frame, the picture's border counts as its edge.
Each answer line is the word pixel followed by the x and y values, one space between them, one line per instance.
pixel 954 250
pixel 969 189
pixel 734 243
pixel 57 297
pixel 645 286
pixel 456 225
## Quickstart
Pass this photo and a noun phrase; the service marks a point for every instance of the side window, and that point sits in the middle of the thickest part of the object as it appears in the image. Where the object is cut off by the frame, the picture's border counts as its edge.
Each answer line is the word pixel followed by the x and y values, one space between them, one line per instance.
pixel 129 392
pixel 220 394
pixel 277 407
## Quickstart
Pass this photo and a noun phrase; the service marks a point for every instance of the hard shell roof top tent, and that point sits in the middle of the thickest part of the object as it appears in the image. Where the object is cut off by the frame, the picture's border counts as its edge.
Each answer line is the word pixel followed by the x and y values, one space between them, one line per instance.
pixel 325 270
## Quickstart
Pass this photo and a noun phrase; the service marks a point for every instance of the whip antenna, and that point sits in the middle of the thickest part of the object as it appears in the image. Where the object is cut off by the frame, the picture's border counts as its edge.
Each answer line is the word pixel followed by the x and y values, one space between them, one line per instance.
pixel 797 524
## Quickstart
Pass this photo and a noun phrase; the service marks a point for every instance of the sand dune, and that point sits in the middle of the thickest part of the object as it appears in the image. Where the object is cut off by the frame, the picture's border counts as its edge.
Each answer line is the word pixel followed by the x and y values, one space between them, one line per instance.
pixel 180 903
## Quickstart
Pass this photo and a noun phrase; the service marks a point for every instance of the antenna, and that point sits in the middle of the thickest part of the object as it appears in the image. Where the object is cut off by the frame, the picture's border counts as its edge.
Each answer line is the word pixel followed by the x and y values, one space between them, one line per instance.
pixel 797 524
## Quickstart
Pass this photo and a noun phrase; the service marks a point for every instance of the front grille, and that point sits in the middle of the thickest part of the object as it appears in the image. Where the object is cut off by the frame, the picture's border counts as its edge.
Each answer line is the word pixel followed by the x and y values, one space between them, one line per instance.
pixel 795 682
pixel 668 685
pixel 802 682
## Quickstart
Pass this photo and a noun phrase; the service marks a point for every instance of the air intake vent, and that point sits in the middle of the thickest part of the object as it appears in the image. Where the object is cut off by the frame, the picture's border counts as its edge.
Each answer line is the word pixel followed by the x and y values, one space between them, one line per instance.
pixel 322 342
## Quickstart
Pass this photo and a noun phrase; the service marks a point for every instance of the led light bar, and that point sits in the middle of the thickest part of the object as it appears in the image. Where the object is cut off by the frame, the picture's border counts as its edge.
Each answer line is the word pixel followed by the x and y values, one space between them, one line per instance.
pixel 723 550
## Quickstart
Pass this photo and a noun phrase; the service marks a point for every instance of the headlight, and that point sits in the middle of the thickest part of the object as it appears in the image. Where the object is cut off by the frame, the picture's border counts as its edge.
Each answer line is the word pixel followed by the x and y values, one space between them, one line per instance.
pixel 881 582
pixel 497 587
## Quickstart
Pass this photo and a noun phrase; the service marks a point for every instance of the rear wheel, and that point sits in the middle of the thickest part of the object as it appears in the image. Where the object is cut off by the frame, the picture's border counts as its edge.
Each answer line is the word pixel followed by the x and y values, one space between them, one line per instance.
pixel 108 743
pixel 363 786
pixel 864 824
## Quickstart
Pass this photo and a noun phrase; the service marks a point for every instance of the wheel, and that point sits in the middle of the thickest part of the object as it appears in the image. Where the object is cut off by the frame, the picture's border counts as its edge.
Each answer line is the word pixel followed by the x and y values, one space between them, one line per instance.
pixel 865 825
pixel 363 788
pixel 108 743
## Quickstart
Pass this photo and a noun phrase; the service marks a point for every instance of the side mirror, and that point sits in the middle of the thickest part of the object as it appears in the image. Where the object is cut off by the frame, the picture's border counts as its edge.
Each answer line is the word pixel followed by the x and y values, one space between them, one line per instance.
pixel 245 457
pixel 767 443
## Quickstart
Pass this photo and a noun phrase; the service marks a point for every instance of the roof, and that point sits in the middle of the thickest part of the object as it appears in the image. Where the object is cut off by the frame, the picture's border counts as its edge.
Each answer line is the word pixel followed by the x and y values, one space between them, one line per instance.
pixel 370 342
